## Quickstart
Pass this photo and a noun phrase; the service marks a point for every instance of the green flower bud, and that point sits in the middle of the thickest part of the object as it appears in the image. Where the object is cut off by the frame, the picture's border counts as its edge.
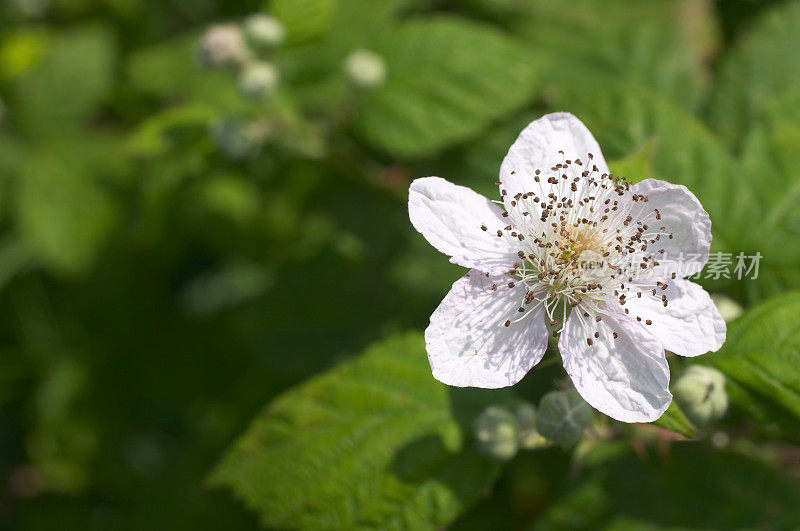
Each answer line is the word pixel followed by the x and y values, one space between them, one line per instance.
pixel 563 416
pixel 496 432
pixel 365 69
pixel 528 437
pixel 238 140
pixel 259 79
pixel 701 394
pixel 223 46
pixel 720 439
pixel 264 30
pixel 728 308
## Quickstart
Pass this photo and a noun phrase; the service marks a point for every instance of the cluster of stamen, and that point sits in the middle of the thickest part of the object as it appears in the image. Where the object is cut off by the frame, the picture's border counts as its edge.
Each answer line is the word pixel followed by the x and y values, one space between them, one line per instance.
pixel 584 244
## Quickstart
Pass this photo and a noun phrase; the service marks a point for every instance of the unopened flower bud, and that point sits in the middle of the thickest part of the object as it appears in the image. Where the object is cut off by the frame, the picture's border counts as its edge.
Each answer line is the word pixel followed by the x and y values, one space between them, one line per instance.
pixel 720 439
pixel 365 69
pixel 237 140
pixel 728 308
pixel 259 79
pixel 496 432
pixel 264 30
pixel 528 436
pixel 701 394
pixel 563 416
pixel 223 46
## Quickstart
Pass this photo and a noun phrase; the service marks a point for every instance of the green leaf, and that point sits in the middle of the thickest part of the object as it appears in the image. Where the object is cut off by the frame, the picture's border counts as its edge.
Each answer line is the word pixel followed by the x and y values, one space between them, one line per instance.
pixel 771 151
pixel 674 419
pixel 563 416
pixel 447 80
pixel 230 197
pixel 22 50
pixel 760 68
pixel 314 69
pixel 762 356
pixel 170 70
pixel 158 133
pixel 234 284
pixel 477 163
pixel 376 442
pixel 68 84
pixel 637 165
pixel 304 19
pixel 692 487
pixel 661 45
pixel 60 211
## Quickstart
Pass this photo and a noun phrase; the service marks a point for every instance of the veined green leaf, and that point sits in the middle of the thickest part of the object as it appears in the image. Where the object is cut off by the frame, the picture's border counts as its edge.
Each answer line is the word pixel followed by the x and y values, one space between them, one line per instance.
pixel 376 442
pixel 762 356
pixel 761 67
pixel 662 45
pixel 771 152
pixel 447 80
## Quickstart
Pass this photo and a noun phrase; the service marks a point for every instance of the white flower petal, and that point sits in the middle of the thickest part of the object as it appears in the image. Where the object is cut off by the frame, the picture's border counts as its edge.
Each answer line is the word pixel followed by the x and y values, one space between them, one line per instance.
pixel 683 216
pixel 467 342
pixel 537 147
pixel 689 325
pixel 450 217
pixel 626 378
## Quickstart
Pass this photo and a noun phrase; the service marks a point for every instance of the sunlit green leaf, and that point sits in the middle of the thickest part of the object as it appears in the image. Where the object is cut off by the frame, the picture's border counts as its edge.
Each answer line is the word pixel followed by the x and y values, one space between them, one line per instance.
pixel 661 45
pixel 760 67
pixel 762 355
pixel 376 442
pixel 771 152
pixel 447 80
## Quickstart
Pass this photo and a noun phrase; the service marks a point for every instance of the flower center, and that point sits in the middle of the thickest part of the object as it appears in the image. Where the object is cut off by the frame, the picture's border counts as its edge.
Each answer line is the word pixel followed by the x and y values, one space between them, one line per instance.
pixel 580 241
pixel 584 240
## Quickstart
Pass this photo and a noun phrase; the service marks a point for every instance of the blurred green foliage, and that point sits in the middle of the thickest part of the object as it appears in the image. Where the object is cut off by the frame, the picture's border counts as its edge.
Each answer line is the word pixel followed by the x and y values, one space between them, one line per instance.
pixel 175 255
